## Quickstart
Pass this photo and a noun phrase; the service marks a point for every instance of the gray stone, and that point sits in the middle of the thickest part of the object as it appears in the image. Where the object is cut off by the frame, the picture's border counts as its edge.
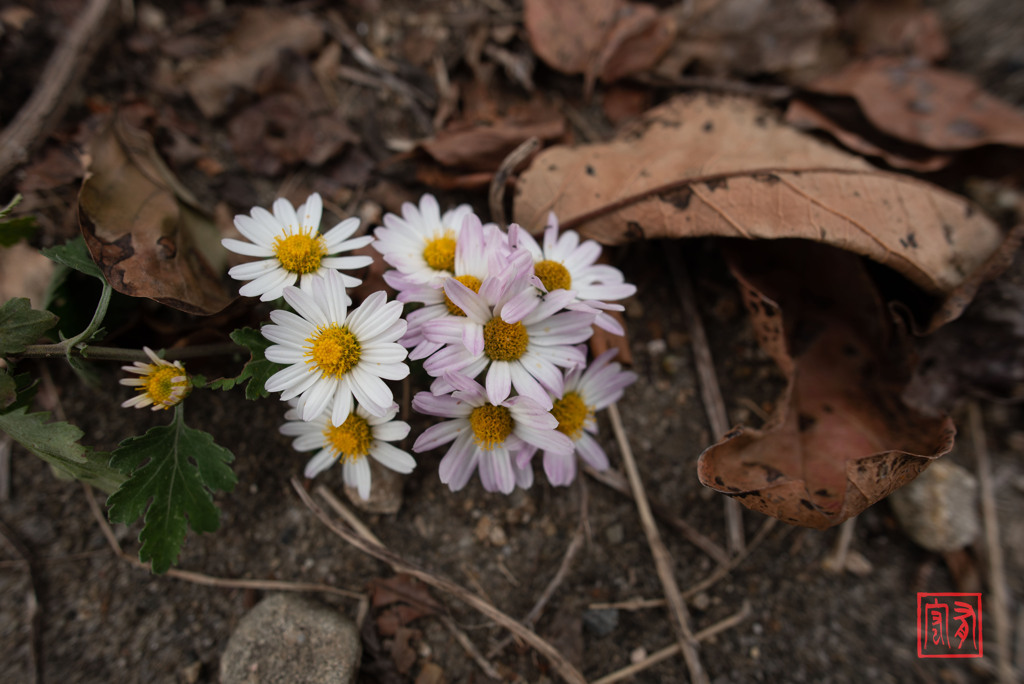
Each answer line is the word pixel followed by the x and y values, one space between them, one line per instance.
pixel 939 510
pixel 288 638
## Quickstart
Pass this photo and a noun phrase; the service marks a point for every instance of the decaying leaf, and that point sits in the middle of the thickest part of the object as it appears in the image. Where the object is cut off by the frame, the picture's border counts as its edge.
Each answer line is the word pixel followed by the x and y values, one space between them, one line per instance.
pixel 903 27
pixel 606 38
pixel 700 165
pixel 841 438
pixel 936 108
pixel 404 599
pixel 144 229
pixel 250 51
pixel 748 36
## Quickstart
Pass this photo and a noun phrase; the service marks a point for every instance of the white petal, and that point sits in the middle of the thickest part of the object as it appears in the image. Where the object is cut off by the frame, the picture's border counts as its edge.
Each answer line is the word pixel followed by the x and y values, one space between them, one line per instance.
pixel 340 232
pixel 312 211
pixel 394 458
pixel 246 248
pixel 391 431
pixel 319 463
pixel 440 433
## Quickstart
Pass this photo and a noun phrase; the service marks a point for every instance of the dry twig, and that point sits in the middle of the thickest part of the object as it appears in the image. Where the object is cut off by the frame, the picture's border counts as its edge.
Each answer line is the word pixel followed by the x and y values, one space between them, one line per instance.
pixel 561 665
pixel 678 614
pixel 470 648
pixel 496 194
pixel 50 99
pixel 204 579
pixel 996 568
pixel 710 392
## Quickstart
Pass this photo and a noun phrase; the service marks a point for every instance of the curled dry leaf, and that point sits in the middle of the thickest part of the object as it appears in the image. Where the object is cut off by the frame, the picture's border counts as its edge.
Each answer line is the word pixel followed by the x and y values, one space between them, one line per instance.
pixel 143 227
pixel 700 165
pixel 606 38
pixel 251 50
pixel 935 108
pixel 842 438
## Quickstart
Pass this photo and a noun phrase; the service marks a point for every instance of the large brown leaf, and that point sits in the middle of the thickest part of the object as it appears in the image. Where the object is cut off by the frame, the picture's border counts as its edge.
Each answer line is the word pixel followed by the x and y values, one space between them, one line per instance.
pixel 842 438
pixel 701 165
pixel 144 228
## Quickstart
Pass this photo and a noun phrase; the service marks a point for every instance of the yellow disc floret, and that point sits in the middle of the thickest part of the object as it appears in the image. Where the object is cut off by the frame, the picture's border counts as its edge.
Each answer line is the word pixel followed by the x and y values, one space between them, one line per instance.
pixel 491 425
pixel 571 413
pixel 166 386
pixel 440 252
pixel 473 283
pixel 553 275
pixel 300 253
pixel 351 440
pixel 504 341
pixel 334 350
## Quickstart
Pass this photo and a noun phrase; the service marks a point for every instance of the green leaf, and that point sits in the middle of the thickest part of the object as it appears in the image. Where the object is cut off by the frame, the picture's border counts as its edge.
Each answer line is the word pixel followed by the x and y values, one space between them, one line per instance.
pixel 13 231
pixel 57 444
pixel 74 254
pixel 8 389
pixel 256 371
pixel 20 325
pixel 171 470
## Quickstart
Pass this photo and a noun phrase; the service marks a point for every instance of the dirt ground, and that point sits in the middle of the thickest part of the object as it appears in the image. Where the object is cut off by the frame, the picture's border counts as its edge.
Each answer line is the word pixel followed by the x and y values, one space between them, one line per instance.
pixel 103 620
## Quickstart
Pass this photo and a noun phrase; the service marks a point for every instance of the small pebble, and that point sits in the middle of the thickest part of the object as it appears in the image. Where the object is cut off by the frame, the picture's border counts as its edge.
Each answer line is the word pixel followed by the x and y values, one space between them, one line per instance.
pixel 939 510
pixel 615 534
pixel 601 622
pixel 637 655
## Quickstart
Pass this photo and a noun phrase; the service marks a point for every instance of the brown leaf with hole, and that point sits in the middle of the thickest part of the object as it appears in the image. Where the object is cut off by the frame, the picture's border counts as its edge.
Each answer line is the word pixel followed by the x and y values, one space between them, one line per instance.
pixel 250 53
pixel 702 165
pixel 935 108
pixel 841 438
pixel 145 229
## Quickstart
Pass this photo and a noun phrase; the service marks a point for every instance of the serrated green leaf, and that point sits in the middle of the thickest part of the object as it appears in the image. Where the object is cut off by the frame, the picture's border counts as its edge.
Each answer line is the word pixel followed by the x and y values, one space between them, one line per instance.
pixel 256 370
pixel 21 325
pixel 171 470
pixel 57 444
pixel 13 231
pixel 74 254
pixel 8 389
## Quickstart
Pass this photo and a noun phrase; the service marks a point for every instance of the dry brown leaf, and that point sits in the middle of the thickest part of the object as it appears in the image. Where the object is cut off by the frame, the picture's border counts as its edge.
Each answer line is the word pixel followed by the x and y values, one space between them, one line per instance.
pixel 936 108
pixel 748 36
pixel 903 27
pixel 606 38
pixel 841 438
pixel 806 117
pixel 144 228
pixel 701 165
pixel 250 51
pixel 482 147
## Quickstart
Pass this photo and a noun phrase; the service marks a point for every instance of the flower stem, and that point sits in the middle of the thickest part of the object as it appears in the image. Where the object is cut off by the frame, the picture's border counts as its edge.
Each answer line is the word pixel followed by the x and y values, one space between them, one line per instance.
pixel 95 353
pixel 94 324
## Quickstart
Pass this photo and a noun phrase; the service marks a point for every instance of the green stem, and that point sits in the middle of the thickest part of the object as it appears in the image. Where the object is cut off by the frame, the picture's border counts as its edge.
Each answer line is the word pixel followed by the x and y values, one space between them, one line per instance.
pixel 94 324
pixel 95 353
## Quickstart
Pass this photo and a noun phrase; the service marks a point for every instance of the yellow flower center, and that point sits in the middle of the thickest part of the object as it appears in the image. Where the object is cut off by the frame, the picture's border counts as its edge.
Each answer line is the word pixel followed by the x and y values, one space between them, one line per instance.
pixel 571 413
pixel 473 283
pixel 334 350
pixel 351 440
pixel 166 385
pixel 440 252
pixel 504 341
pixel 491 425
pixel 554 275
pixel 300 253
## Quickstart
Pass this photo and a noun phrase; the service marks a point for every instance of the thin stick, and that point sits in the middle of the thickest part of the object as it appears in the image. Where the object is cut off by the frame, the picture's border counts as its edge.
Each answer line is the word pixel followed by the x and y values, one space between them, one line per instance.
pixel 631 604
pixel 678 615
pixel 49 100
pixel 32 611
pixel 617 481
pixel 710 392
pixel 575 544
pixel 347 515
pixel 670 651
pixel 997 570
pixel 470 648
pixel 204 579
pixel 561 665
pixel 496 194
pixel 836 561
pixel 6 443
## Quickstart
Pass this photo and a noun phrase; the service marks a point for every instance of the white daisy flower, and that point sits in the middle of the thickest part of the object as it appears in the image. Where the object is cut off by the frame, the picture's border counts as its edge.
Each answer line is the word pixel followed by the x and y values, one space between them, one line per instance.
pixel 524 354
pixel 334 354
pixel 291 248
pixel 486 436
pixel 478 253
pixel 362 435
pixel 586 392
pixel 420 243
pixel 162 385
pixel 564 263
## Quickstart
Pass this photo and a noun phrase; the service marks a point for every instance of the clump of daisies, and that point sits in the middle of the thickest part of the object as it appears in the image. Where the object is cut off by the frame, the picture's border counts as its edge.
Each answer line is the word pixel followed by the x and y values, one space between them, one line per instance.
pixel 497 319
